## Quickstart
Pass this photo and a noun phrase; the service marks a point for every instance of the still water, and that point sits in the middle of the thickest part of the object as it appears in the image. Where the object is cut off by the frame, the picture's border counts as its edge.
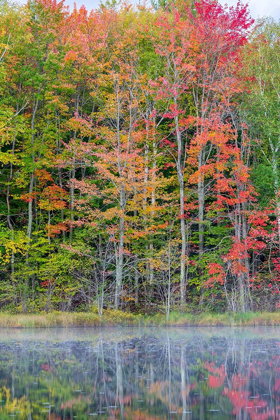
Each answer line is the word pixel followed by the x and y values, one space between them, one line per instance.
pixel 140 374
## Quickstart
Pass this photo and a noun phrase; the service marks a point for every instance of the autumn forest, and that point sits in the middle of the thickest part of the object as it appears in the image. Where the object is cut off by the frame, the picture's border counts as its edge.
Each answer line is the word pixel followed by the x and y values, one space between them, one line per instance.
pixel 139 162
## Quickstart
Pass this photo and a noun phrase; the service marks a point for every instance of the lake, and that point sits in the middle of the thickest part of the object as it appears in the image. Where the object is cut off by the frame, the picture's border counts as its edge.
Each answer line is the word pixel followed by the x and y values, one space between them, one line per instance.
pixel 149 373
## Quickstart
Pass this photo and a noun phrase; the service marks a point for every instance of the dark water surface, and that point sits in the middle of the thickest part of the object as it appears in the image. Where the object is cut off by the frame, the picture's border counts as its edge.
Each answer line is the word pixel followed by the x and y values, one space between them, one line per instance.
pixel 190 373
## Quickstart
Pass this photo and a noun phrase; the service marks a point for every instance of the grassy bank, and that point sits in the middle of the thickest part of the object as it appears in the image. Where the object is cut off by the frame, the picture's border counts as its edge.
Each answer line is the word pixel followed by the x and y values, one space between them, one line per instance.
pixel 112 317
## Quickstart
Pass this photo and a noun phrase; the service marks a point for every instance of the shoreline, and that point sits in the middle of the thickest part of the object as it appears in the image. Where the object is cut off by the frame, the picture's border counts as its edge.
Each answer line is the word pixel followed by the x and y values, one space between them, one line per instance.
pixel 113 318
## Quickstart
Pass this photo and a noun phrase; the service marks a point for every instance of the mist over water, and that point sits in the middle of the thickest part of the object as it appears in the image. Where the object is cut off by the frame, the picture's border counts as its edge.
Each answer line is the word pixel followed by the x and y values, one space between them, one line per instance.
pixel 140 374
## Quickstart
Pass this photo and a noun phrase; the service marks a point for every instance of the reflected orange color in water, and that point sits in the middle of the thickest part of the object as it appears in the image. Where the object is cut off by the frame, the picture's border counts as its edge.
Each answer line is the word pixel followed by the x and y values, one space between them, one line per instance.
pixel 54 417
pixel 237 381
pixel 225 378
pixel 137 415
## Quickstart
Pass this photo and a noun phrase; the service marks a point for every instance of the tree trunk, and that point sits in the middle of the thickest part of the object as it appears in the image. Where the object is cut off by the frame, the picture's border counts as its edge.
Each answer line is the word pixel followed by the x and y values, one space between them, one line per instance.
pixel 201 200
pixel 240 276
pixel 30 207
pixel 71 176
pixel 276 190
pixel 183 245
pixel 180 174
pixel 31 184
pixel 9 220
pixel 120 250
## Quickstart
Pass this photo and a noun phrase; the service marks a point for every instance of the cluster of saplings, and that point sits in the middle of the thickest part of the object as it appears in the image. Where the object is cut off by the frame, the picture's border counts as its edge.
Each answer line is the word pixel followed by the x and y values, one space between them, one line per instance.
pixel 139 162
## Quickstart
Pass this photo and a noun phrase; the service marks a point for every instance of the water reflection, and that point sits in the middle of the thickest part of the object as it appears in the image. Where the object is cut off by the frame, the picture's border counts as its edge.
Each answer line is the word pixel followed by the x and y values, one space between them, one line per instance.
pixel 140 374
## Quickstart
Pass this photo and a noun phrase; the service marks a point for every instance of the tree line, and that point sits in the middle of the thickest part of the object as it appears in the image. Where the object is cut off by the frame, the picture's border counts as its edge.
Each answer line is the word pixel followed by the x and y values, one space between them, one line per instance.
pixel 139 162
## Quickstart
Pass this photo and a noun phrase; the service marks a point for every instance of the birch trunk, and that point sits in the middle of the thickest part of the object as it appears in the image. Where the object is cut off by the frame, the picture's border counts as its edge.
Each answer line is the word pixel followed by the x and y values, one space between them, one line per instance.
pixel 31 184
pixel 180 174
pixel 120 250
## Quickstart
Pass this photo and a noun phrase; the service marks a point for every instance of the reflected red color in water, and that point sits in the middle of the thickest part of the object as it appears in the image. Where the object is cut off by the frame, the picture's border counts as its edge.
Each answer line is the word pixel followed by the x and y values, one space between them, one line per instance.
pixel 144 375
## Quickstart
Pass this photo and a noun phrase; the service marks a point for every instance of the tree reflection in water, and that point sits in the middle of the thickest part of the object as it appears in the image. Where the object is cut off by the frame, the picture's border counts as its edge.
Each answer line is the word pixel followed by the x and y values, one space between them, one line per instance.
pixel 140 374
